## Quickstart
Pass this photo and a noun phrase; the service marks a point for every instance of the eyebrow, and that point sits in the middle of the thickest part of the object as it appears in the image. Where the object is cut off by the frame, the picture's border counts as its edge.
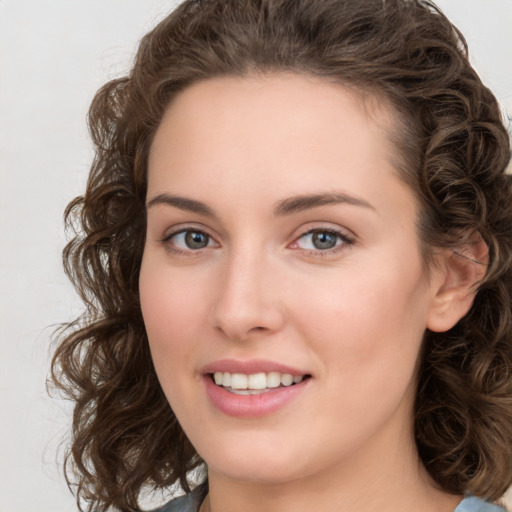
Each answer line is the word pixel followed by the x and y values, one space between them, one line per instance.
pixel 282 208
pixel 307 202
pixel 183 203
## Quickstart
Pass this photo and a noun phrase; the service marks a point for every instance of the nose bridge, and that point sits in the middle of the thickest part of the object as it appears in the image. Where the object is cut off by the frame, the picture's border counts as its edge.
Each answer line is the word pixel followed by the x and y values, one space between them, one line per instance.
pixel 246 301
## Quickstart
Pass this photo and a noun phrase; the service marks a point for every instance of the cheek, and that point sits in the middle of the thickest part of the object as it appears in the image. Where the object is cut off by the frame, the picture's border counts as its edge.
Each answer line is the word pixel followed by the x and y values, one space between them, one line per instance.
pixel 170 298
pixel 171 315
pixel 372 320
pixel 370 337
pixel 170 312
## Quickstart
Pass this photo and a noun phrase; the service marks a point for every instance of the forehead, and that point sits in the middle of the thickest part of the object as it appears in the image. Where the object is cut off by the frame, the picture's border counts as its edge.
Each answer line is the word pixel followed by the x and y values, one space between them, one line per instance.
pixel 297 94
pixel 282 133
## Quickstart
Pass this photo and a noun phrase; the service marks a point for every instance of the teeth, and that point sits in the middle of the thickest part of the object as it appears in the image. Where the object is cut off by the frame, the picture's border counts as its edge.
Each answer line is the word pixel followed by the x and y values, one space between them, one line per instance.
pixel 240 382
pixel 257 381
pixel 248 391
pixel 273 379
pixel 287 379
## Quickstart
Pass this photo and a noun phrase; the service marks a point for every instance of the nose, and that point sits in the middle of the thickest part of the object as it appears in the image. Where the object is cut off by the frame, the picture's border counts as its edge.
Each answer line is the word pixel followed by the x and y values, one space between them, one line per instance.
pixel 247 301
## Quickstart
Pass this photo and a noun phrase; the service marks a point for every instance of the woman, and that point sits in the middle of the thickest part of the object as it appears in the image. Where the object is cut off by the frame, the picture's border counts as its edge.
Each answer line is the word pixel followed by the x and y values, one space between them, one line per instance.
pixel 295 252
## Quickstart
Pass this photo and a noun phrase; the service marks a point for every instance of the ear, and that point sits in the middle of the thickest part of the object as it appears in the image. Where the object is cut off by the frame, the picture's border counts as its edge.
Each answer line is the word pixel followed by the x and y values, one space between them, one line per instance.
pixel 455 281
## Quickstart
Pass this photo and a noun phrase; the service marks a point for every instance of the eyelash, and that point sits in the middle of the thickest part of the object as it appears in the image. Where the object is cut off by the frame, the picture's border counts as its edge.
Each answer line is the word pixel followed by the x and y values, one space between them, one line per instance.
pixel 167 241
pixel 345 242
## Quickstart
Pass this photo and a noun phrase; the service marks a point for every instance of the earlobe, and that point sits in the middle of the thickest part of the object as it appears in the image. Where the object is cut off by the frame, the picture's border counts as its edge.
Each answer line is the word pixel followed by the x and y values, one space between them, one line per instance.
pixel 456 282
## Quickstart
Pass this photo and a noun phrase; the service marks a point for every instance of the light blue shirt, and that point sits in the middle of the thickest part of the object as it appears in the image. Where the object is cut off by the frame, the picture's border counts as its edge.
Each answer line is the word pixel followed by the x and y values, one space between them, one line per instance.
pixel 472 504
pixel 191 503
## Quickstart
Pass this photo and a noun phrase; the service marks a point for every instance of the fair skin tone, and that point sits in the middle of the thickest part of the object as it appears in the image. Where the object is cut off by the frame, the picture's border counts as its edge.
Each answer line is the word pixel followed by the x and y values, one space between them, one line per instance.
pixel 279 234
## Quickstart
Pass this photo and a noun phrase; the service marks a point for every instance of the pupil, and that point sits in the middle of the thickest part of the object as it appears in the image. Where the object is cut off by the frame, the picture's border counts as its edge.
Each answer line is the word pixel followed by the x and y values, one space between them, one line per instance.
pixel 324 240
pixel 195 240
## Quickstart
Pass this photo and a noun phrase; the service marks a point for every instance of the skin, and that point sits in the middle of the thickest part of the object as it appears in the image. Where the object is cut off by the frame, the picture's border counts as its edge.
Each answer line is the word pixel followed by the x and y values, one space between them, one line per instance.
pixel 352 316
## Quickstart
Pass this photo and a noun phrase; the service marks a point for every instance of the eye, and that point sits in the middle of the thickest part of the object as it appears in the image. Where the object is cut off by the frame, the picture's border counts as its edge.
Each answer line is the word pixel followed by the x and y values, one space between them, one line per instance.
pixel 322 240
pixel 189 240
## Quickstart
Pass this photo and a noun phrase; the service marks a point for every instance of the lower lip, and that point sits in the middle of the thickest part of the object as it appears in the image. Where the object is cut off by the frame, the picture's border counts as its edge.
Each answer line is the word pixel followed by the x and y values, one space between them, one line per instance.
pixel 251 406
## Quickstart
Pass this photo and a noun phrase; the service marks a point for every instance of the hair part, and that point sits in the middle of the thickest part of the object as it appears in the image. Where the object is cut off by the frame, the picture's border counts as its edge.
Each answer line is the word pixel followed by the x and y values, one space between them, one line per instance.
pixel 452 151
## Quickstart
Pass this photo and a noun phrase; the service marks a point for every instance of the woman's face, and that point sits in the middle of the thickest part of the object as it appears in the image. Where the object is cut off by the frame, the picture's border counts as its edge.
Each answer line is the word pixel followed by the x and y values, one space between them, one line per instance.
pixel 281 247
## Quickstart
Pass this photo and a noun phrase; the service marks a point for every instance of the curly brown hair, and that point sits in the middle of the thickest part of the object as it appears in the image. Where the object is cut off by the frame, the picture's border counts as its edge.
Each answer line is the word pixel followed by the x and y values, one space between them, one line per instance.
pixel 453 150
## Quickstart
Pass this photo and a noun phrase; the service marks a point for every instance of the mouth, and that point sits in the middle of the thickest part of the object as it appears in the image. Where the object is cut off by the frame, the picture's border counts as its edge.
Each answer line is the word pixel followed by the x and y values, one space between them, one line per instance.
pixel 253 388
pixel 255 383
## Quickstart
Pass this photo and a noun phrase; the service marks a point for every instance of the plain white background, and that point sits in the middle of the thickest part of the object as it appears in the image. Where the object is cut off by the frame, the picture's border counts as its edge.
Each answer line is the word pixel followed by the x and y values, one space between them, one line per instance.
pixel 54 54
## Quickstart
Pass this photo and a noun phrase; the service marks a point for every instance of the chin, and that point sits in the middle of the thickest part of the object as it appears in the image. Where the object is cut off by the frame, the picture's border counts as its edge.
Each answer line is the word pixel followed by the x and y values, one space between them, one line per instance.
pixel 255 461
pixel 260 473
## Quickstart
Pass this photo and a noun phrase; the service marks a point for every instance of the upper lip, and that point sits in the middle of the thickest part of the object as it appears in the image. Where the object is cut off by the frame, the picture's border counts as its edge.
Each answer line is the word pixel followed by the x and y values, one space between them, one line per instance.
pixel 249 367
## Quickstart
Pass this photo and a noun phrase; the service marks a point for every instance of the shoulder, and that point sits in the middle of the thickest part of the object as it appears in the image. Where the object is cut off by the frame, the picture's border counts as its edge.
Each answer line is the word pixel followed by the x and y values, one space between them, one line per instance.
pixel 188 503
pixel 474 504
pixel 182 504
pixel 191 502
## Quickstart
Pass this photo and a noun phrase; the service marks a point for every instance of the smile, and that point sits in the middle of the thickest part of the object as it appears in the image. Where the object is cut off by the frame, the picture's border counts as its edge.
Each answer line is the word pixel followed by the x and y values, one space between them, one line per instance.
pixel 255 383
pixel 254 388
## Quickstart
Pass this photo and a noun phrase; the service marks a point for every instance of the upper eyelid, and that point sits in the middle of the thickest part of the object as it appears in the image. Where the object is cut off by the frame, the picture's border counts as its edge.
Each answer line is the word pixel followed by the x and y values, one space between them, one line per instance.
pixel 342 231
pixel 180 228
pixel 323 229
pixel 339 234
pixel 166 242
pixel 346 240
